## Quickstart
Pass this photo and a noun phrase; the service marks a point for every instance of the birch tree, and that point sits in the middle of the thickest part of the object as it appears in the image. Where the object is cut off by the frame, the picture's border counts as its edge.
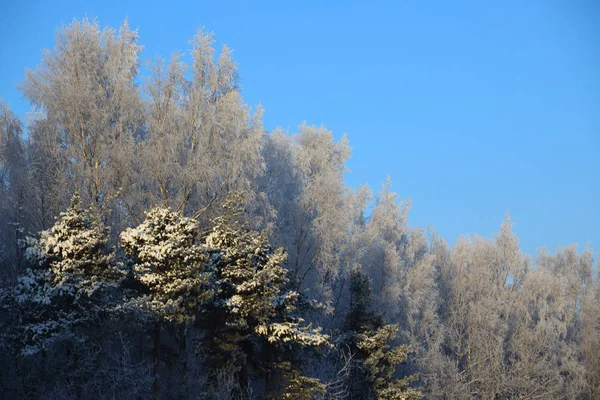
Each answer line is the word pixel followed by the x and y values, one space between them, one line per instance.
pixel 314 214
pixel 14 204
pixel 202 140
pixel 387 233
pixel 85 89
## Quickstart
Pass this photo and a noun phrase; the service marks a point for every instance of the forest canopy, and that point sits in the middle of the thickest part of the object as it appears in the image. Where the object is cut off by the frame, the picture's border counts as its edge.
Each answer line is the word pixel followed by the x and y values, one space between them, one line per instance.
pixel 157 242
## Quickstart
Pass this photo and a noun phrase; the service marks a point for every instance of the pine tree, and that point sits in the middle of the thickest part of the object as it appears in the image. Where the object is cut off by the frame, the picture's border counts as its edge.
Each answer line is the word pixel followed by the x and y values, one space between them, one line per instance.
pixel 169 263
pixel 60 312
pixel 251 325
pixel 374 358
pixel 70 285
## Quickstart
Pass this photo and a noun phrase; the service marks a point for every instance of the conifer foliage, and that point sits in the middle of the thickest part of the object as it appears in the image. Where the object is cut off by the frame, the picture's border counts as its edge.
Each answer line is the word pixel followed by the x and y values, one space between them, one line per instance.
pixel 231 284
pixel 253 324
pixel 169 262
pixel 371 343
pixel 69 285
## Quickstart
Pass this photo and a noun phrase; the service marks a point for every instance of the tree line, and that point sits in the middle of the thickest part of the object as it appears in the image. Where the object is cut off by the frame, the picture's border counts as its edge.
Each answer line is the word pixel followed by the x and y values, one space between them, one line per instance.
pixel 157 242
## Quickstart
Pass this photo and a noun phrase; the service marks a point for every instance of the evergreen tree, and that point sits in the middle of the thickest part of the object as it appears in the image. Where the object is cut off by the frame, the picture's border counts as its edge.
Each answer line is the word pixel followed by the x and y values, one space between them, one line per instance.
pixel 374 357
pixel 70 285
pixel 60 311
pixel 169 264
pixel 251 325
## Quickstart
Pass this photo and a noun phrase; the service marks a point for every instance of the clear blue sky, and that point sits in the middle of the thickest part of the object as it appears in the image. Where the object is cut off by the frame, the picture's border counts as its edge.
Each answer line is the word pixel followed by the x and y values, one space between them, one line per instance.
pixel 472 108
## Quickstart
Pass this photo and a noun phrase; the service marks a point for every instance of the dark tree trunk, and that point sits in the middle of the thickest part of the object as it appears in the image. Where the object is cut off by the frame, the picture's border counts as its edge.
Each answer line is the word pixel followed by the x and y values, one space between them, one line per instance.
pixel 156 369
pixel 243 378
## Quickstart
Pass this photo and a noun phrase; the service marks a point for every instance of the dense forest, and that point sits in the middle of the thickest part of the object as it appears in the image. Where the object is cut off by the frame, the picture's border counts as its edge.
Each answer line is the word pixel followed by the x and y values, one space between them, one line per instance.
pixel 157 242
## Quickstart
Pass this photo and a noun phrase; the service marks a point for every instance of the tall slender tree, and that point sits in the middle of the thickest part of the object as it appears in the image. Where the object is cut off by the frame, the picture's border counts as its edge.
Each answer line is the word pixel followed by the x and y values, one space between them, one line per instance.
pixel 14 202
pixel 86 92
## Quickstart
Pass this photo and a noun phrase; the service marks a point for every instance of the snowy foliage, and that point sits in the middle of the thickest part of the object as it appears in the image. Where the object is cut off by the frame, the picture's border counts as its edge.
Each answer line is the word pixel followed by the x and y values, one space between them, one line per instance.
pixel 168 260
pixel 69 284
pixel 252 305
pixel 91 107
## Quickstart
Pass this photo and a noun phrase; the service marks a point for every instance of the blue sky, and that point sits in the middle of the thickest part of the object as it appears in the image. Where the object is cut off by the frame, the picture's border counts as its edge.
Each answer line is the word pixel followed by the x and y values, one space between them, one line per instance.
pixel 472 108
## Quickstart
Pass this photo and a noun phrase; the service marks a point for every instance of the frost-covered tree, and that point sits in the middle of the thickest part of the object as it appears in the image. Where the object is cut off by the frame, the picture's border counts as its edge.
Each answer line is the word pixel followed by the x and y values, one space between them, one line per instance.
pixel 508 328
pixel 304 184
pixel 170 264
pixel 375 358
pixel 387 234
pixel 89 107
pixel 476 321
pixel 14 204
pixel 47 163
pixel 321 162
pixel 201 141
pixel 590 337
pixel 69 284
pixel 547 320
pixel 61 308
pixel 11 148
pixel 251 325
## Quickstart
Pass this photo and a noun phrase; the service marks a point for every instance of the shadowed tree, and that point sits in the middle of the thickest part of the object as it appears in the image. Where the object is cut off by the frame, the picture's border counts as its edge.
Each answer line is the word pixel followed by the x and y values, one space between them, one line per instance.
pixel 252 328
pixel 370 341
pixel 14 202
pixel 66 300
pixel 169 263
